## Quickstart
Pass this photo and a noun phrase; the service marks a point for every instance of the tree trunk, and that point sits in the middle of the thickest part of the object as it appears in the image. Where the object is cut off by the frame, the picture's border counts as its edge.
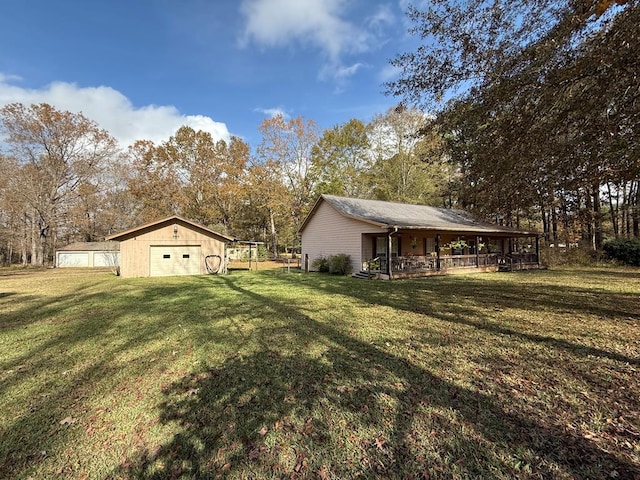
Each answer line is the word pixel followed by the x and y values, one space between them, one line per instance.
pixel 636 212
pixel 590 229
pixel 597 218
pixel 545 222
pixel 613 210
pixel 44 229
pixel 35 250
pixel 554 225
pixel 566 226
pixel 24 259
pixel 274 235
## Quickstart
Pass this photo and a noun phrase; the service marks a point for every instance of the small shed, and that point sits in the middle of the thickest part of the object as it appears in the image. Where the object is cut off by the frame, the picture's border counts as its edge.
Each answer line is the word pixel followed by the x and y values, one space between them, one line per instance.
pixel 88 254
pixel 171 246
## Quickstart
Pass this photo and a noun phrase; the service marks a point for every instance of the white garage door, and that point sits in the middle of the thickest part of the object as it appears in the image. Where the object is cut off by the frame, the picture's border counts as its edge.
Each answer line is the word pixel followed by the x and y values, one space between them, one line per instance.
pixel 73 259
pixel 172 260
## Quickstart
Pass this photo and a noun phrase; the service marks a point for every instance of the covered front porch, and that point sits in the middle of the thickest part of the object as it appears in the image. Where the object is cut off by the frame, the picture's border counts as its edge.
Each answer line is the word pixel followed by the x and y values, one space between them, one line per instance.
pixel 417 253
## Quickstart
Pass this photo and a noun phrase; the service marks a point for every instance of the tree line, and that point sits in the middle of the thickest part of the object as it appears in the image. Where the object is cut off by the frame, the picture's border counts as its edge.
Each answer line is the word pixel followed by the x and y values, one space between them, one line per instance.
pixel 524 112
pixel 66 179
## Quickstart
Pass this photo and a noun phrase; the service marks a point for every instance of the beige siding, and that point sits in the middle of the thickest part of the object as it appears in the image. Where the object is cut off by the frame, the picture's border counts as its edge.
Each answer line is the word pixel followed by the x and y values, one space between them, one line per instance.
pixel 135 252
pixel 329 232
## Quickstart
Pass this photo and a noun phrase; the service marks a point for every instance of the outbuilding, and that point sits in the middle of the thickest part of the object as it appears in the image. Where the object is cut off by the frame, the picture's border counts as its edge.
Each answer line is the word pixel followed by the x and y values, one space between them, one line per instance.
pixel 171 246
pixel 88 254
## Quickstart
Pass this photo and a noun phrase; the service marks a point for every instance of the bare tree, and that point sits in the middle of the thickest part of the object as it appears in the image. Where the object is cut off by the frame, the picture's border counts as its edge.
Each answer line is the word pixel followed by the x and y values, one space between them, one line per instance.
pixel 58 155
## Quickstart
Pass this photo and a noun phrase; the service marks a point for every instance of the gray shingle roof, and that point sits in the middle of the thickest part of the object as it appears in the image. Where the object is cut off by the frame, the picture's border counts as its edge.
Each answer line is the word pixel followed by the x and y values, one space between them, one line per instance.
pixel 91 246
pixel 408 216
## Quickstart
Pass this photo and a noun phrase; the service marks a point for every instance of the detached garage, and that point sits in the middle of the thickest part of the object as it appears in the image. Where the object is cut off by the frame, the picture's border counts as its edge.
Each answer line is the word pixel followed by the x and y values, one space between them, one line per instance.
pixel 171 246
pixel 88 254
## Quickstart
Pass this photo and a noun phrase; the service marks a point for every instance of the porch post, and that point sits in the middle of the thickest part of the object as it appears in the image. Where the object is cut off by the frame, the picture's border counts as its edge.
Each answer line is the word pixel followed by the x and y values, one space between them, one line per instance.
pixel 389 272
pixel 438 252
pixel 477 251
pixel 538 250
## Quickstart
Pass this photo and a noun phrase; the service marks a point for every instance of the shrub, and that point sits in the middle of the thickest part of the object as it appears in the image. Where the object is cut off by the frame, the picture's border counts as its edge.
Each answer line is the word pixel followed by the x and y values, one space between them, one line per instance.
pixel 339 264
pixel 263 253
pixel 321 264
pixel 625 251
pixel 575 256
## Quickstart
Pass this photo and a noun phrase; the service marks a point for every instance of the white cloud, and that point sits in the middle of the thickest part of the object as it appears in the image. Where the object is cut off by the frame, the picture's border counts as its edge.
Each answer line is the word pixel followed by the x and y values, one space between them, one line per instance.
pixel 273 112
pixel 278 23
pixel 381 18
pixel 342 72
pixel 339 74
pixel 111 110
pixel 9 78
pixel 389 72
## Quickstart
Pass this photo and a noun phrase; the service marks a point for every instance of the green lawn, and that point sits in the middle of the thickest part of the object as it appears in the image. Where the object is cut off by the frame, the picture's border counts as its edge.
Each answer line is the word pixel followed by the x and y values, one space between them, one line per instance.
pixel 275 375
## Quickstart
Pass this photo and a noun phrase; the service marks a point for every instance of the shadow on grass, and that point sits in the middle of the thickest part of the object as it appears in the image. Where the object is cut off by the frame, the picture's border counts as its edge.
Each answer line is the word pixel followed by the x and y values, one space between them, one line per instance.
pixel 353 411
pixel 465 305
pixel 68 348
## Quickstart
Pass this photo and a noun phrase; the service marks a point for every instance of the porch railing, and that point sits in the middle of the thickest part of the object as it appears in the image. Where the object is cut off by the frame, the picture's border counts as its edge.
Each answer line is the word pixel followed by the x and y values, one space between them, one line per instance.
pixel 427 263
pixel 518 261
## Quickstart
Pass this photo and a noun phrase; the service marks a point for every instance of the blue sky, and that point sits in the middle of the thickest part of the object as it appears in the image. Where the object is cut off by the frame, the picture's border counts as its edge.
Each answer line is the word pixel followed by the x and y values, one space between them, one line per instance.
pixel 142 68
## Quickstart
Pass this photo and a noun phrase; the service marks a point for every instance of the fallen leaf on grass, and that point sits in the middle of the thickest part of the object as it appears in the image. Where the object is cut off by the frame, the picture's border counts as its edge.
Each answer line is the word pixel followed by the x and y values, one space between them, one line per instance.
pixel 380 442
pixel 301 461
pixel 323 473
pixel 68 421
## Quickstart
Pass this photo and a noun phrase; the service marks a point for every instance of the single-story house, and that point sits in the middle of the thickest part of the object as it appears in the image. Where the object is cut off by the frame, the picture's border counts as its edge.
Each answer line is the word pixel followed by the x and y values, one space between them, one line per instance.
pixel 171 246
pixel 422 240
pixel 88 254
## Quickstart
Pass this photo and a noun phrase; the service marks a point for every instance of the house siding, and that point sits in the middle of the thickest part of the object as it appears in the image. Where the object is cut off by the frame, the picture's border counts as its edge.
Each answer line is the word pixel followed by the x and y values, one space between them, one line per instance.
pixel 135 252
pixel 329 233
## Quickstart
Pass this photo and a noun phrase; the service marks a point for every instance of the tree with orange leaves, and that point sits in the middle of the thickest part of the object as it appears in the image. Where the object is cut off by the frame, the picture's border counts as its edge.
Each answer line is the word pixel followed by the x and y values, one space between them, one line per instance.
pixel 58 156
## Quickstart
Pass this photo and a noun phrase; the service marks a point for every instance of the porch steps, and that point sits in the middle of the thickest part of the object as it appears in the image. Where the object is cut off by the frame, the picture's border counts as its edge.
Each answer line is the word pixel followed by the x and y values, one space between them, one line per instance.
pixel 363 275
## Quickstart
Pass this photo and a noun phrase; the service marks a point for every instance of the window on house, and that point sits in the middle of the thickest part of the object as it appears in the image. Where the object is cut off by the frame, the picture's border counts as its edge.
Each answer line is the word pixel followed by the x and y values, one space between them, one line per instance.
pixel 381 246
pixel 166 255
pixel 430 245
pixel 185 255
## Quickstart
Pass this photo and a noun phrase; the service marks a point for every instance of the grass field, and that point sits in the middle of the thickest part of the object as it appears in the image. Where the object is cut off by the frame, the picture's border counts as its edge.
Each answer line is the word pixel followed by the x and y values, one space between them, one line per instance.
pixel 286 375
